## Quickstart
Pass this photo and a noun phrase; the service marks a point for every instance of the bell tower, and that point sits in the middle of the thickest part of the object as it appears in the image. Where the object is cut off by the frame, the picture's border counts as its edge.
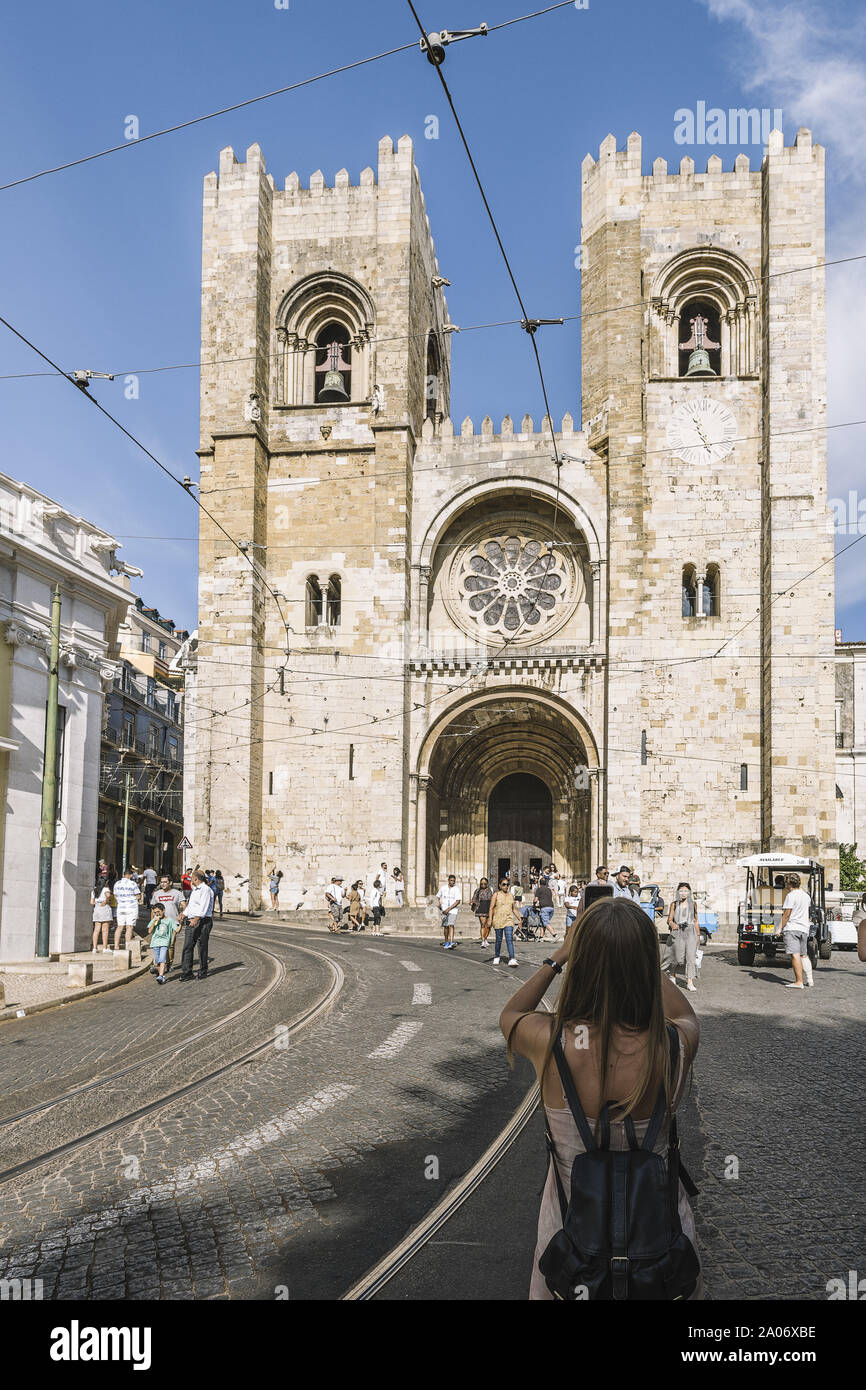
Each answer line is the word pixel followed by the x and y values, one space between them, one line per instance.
pixel 703 388
pixel 322 312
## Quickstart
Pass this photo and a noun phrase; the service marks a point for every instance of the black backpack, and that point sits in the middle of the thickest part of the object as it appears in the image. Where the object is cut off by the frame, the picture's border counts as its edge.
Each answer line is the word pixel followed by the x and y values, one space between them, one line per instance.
pixel 621 1234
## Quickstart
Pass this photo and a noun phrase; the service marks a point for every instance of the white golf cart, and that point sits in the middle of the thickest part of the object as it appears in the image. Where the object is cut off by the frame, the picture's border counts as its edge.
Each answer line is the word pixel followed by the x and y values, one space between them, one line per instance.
pixel 759 915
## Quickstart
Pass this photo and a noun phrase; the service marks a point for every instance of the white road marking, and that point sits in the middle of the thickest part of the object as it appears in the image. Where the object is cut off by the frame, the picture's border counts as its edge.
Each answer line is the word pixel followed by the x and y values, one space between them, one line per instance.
pixel 422 994
pixel 397 1040
pixel 409 965
pixel 184 1178
pixel 376 952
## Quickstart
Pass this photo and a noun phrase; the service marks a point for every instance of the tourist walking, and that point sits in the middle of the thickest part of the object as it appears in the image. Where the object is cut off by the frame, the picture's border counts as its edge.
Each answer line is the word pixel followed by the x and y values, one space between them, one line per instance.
pixel 543 901
pixel 356 906
pixel 377 894
pixel 399 887
pixel 274 887
pixel 198 915
pixel 334 902
pixel 449 900
pixel 149 883
pixel 219 887
pixel 172 902
pixel 503 918
pixel 572 903
pixel 128 895
pixel 100 901
pixel 162 931
pixel 858 920
pixel 480 905
pixel 682 944
pixel 795 931
pixel 636 1040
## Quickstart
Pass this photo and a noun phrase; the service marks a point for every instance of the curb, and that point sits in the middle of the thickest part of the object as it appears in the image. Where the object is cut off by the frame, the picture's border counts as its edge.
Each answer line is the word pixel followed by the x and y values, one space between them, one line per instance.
pixel 73 995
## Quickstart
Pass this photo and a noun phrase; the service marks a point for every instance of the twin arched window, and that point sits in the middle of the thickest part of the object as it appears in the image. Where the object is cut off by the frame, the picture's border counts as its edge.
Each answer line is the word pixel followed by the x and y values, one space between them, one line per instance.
pixel 701 592
pixel 324 601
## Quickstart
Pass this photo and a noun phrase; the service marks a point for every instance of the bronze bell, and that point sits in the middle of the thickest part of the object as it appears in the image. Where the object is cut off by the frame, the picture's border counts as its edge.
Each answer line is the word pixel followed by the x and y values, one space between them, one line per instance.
pixel 333 388
pixel 699 363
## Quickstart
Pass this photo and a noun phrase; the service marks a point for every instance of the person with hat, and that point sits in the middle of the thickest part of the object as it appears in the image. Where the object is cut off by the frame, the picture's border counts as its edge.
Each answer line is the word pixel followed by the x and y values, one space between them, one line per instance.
pixel 334 898
pixel 622 887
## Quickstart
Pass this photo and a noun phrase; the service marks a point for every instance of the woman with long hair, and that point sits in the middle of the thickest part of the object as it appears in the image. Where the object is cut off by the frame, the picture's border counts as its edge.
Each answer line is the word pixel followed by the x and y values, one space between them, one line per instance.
pixel 685 934
pixel 480 905
pixel 611 1020
pixel 503 916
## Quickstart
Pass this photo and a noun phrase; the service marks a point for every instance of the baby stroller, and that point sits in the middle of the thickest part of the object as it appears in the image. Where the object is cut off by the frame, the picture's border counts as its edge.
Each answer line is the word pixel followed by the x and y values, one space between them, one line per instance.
pixel 530 926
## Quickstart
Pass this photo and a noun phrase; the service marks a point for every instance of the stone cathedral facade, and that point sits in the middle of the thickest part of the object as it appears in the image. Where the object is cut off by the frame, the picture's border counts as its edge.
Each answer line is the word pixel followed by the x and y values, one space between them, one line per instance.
pixel 494 661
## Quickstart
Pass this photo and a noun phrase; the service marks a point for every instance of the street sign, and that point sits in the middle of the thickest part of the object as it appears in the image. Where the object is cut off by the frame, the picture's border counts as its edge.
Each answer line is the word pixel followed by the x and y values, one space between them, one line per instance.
pixel 185 843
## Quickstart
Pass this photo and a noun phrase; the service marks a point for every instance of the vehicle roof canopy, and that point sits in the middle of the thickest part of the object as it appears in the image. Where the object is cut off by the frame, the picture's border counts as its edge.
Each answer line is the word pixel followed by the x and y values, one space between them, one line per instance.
pixel 777 861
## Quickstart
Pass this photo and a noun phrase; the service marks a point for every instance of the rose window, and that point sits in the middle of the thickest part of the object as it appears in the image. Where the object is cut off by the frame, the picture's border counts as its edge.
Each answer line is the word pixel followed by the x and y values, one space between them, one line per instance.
pixel 512 584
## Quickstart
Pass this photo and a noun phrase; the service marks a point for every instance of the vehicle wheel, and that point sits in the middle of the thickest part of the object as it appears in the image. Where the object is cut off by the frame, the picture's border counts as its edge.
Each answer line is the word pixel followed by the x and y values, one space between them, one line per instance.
pixel 825 949
pixel 745 955
pixel 703 938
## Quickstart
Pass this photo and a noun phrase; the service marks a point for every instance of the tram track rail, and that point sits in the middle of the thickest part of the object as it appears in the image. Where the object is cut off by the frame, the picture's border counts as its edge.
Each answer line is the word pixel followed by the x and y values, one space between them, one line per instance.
pixel 310 1015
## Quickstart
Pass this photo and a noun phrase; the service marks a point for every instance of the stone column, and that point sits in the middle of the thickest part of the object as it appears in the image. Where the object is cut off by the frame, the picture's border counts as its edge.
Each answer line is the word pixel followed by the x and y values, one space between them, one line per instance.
pixel 595 628
pixel 699 595
pixel 281 393
pixel 727 338
pixel 424 575
pixel 423 781
pixel 323 583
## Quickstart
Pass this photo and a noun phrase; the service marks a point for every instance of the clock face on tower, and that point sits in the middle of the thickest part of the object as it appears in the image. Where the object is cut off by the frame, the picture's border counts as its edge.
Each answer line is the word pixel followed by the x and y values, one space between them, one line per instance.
pixel 702 431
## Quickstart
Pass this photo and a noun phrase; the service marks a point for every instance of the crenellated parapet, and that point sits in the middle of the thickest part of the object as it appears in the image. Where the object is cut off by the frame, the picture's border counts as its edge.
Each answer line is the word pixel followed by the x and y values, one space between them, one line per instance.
pixel 448 435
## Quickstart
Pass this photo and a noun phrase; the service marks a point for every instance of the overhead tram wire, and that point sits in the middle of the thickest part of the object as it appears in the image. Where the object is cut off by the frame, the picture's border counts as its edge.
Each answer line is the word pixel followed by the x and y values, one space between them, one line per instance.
pixel 408 337
pixel 167 471
pixel 526 323
pixel 252 101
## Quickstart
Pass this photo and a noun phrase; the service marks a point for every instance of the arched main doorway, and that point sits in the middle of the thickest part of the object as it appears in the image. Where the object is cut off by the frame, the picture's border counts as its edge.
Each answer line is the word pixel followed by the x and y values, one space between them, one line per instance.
pixel 516 767
pixel 519 826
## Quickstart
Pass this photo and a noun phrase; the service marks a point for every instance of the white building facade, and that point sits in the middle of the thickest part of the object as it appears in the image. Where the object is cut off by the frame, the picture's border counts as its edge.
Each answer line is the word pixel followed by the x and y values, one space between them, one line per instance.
pixel 851 744
pixel 41 545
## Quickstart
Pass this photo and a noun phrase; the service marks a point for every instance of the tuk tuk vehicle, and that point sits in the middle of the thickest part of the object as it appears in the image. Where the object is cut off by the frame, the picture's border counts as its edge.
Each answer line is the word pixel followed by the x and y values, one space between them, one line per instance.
pixel 759 914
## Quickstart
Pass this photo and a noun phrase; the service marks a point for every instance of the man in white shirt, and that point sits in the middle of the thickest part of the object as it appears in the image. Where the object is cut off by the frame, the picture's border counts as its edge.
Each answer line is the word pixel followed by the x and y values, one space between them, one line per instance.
pixel 449 900
pixel 795 931
pixel 334 900
pixel 198 915
pixel 128 898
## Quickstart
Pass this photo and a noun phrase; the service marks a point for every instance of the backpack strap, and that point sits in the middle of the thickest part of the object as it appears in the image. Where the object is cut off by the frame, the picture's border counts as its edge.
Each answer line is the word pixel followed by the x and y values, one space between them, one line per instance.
pixel 676 1170
pixel 551 1149
pixel 574 1105
pixel 658 1114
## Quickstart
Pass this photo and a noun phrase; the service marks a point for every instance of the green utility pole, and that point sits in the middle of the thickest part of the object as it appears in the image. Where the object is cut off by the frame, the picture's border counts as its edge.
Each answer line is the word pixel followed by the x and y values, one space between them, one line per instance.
pixel 125 820
pixel 49 787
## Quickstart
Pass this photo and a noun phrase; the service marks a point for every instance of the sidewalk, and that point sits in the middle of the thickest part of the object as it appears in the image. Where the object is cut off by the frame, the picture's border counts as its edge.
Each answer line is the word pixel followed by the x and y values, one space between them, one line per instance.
pixel 31 988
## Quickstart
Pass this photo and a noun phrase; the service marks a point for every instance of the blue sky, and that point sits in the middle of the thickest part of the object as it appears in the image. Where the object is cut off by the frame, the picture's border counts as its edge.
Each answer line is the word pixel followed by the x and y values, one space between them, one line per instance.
pixel 101 263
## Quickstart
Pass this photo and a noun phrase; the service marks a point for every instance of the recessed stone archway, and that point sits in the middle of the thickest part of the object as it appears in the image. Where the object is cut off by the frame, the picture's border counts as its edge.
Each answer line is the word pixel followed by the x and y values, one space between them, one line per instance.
pixel 470 750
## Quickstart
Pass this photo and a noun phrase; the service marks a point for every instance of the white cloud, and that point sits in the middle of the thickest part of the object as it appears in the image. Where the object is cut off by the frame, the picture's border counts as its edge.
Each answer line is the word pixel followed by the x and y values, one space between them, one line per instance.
pixel 816 72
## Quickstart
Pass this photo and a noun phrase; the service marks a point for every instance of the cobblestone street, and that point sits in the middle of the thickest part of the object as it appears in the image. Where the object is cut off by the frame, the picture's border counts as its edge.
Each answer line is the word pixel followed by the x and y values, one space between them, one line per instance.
pixel 295 1171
